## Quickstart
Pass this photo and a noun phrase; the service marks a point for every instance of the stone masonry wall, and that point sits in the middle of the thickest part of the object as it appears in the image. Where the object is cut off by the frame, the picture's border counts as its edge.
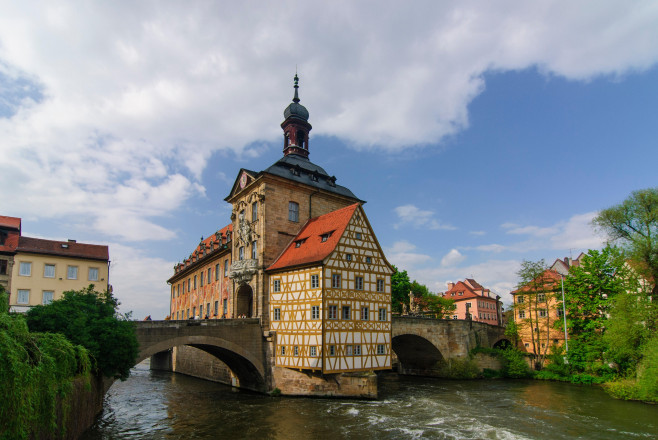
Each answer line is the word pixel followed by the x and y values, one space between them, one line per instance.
pixel 297 383
pixel 198 363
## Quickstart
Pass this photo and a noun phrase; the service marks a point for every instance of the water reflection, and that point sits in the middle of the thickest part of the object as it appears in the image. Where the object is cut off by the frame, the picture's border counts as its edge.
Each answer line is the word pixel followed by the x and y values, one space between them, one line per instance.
pixel 153 405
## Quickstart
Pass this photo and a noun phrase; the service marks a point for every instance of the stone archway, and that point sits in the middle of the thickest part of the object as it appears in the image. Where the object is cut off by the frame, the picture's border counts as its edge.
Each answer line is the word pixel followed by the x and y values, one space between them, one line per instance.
pixel 244 303
pixel 416 355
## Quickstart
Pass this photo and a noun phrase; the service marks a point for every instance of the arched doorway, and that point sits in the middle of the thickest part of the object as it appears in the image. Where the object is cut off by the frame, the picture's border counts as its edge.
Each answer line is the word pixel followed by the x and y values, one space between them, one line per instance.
pixel 244 301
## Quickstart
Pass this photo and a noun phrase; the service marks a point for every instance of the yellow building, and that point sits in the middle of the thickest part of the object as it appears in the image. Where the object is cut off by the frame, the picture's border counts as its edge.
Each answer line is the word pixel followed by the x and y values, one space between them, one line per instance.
pixel 44 269
pixel 330 297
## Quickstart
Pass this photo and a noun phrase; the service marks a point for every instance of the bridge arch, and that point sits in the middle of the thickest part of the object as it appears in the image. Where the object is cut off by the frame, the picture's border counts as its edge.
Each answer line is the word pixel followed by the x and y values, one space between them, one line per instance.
pixel 238 344
pixel 416 354
pixel 502 343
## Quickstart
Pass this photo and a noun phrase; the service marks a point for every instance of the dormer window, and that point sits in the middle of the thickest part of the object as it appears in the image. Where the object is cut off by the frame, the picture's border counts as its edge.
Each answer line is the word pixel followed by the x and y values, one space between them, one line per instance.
pixel 325 237
pixel 460 293
pixel 298 243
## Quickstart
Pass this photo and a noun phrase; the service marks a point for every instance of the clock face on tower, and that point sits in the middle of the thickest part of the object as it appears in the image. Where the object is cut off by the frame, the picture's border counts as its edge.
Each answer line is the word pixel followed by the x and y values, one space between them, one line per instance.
pixel 243 180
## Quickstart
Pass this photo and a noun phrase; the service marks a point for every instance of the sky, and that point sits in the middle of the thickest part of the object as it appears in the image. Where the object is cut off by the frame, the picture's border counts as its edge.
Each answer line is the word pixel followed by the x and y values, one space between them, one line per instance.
pixel 480 133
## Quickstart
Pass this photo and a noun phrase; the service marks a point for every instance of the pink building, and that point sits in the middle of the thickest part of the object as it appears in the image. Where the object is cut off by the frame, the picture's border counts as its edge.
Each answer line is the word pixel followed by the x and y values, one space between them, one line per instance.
pixel 472 299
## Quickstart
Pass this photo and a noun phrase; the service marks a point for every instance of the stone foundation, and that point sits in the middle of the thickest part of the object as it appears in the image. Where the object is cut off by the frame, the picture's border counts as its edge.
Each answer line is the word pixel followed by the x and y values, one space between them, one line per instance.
pixel 484 360
pixel 361 385
pixel 198 363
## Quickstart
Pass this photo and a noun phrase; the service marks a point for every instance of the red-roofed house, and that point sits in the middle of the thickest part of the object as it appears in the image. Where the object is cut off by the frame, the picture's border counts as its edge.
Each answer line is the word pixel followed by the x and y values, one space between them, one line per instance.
pixel 10 231
pixel 43 270
pixel 330 297
pixel 474 302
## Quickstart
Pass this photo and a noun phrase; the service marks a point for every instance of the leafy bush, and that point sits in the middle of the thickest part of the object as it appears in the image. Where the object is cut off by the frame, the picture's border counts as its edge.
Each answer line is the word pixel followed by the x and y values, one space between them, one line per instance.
pixel 36 373
pixel 90 319
pixel 460 369
pixel 648 371
pixel 514 364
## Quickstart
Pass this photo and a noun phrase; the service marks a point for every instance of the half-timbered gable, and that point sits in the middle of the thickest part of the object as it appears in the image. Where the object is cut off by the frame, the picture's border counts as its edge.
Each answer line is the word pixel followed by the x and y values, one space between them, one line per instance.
pixel 330 296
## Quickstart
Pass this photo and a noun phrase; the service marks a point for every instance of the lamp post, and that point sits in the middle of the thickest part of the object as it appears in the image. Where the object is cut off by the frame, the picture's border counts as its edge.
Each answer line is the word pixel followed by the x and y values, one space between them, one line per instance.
pixel 564 315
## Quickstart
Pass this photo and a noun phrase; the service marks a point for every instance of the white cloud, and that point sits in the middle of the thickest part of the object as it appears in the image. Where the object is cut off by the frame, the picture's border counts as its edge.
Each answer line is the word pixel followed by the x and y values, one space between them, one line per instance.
pixel 101 98
pixel 477 233
pixel 452 258
pixel 401 255
pixel 418 218
pixel 578 233
pixel 139 281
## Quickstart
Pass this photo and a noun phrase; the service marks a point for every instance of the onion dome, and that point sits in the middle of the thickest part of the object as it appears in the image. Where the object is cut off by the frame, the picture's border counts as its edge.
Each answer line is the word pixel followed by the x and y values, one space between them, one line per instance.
pixel 295 109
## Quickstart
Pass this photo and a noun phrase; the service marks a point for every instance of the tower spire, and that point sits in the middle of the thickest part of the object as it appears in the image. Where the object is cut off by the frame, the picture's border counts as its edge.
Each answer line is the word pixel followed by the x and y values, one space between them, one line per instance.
pixel 295 127
pixel 296 98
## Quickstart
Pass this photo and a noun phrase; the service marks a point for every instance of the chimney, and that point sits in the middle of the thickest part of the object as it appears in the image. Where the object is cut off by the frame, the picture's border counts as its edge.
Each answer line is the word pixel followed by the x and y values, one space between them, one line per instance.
pixel 71 241
pixel 450 285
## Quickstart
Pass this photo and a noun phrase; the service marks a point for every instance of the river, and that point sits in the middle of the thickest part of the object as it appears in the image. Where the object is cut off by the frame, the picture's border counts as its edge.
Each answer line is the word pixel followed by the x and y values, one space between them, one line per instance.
pixel 161 405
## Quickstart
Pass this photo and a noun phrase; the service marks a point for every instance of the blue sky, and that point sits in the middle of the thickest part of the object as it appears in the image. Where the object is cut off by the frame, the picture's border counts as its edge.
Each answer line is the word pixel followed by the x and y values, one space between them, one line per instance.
pixel 481 136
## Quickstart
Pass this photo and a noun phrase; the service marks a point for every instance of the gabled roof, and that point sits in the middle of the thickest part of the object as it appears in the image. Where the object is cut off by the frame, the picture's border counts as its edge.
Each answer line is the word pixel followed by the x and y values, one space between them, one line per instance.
pixel 210 240
pixel 63 248
pixel 549 276
pixel 10 223
pixel 469 287
pixel 311 248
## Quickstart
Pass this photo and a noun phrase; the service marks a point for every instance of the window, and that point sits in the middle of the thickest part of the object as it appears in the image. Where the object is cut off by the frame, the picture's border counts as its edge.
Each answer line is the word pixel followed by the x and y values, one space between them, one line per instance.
pixel 276 285
pixel 368 260
pixel 3 267
pixel 49 271
pixel 357 350
pixel 225 307
pixel 23 296
pixel 454 316
pixel 541 297
pixel 299 243
pixel 201 311
pixel 241 253
pixel 560 313
pixel 348 257
pixel 209 275
pixel 254 250
pixel 216 308
pixel 332 312
pixel 364 313
pixel 254 212
pixel 348 350
pixel 346 312
pixel 332 350
pixel 460 293
pixel 315 312
pixel 358 236
pixel 226 267
pixel 380 285
pixel 201 279
pixel 193 312
pixel 315 281
pixel 381 349
pixel 295 350
pixel 195 280
pixel 72 273
pixel 382 314
pixel 313 351
pixel 25 269
pixel 293 211
pixel 542 313
pixel 277 314
pixel 217 272
pixel 358 283
pixel 521 314
pixel 527 344
pixel 188 285
pixel 178 290
pixel 283 350
pixel 335 281
pixel 520 299
pixel 93 274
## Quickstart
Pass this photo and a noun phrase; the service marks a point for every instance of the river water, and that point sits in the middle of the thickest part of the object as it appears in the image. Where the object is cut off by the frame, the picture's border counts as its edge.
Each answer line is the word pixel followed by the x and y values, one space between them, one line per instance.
pixel 161 405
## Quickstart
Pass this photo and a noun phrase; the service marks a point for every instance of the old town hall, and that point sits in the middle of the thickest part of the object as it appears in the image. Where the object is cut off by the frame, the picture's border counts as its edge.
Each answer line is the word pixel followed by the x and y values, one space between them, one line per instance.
pixel 300 255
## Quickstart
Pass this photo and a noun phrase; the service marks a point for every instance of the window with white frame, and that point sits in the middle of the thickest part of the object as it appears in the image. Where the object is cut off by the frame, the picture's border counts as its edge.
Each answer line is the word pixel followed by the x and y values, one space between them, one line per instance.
pixel 293 211
pixel 521 314
pixel 364 313
pixel 357 350
pixel 23 296
pixel 49 271
pixel 335 281
pixel 382 314
pixel 358 283
pixel 72 273
pixel 295 350
pixel 381 349
pixel 277 314
pixel 315 281
pixel 542 313
pixel 25 269
pixel 315 312
pixel 313 351
pixel 276 286
pixel 380 285
pixel 541 297
pixel 520 299
pixel 93 274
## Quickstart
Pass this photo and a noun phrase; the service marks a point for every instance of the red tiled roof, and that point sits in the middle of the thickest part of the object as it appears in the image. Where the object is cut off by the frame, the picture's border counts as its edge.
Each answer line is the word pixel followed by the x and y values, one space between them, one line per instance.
pixel 474 284
pixel 10 222
pixel 207 242
pixel 312 249
pixel 549 276
pixel 10 243
pixel 63 248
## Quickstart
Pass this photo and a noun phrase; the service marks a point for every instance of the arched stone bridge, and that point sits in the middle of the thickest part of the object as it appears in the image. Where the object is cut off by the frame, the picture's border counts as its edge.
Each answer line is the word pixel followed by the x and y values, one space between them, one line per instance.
pixel 420 344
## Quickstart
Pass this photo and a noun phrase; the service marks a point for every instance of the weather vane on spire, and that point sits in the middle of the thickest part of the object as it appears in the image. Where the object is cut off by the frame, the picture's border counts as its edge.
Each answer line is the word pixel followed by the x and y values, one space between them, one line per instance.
pixel 296 98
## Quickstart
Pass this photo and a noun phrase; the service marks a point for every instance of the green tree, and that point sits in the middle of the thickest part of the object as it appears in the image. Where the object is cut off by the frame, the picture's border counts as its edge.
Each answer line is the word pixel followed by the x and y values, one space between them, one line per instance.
pixel 512 332
pixel 90 319
pixel 400 286
pixel 439 306
pixel 634 225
